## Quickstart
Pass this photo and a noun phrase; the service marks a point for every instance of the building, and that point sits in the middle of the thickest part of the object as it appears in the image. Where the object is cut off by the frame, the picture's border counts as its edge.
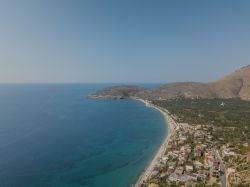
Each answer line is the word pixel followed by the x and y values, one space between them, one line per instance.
pixel 173 177
pixel 189 168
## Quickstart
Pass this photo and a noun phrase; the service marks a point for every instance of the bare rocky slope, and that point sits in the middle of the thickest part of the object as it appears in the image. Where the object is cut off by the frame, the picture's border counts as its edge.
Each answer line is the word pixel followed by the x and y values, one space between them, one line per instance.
pixel 234 85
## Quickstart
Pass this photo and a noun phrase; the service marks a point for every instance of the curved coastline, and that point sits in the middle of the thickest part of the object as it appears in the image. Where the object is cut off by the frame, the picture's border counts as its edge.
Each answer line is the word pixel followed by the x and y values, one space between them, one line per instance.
pixel 146 174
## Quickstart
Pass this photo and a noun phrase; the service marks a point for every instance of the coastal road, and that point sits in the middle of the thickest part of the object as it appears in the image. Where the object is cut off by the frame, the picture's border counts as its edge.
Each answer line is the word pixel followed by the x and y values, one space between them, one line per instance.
pixel 222 168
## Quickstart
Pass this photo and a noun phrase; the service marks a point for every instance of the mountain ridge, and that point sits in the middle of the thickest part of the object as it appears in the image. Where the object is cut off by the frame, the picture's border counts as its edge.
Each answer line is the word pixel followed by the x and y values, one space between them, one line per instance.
pixel 234 85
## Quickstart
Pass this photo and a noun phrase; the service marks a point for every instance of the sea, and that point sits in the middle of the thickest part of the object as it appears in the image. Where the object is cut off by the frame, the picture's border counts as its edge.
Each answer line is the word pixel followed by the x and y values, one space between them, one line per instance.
pixel 51 135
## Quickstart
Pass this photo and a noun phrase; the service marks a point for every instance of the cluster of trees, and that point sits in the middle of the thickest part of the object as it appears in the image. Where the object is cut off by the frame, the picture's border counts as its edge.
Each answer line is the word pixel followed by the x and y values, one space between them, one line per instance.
pixel 234 114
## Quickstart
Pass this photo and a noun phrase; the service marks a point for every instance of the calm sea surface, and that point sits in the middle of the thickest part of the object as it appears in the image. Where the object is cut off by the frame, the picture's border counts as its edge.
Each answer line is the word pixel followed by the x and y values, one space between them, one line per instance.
pixel 51 136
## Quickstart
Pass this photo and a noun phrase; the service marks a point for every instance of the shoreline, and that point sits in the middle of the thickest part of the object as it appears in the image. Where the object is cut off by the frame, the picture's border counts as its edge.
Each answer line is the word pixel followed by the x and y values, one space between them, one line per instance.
pixel 146 174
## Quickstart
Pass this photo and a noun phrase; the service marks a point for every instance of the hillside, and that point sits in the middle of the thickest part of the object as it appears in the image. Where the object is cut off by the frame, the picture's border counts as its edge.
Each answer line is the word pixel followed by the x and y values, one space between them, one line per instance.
pixel 234 85
pixel 117 92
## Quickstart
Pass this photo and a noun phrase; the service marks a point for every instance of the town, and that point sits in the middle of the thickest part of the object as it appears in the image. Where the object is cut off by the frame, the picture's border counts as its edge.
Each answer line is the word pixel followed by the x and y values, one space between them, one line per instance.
pixel 196 156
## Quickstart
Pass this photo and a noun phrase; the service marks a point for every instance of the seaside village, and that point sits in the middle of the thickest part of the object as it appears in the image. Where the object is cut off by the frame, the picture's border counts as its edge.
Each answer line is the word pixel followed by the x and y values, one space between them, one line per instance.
pixel 192 158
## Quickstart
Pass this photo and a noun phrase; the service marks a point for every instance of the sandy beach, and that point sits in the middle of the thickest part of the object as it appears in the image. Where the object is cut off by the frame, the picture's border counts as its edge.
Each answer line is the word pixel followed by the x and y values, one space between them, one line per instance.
pixel 150 168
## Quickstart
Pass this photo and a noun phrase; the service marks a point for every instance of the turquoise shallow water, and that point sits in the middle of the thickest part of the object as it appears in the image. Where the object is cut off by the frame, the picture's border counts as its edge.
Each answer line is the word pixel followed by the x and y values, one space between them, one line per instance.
pixel 51 136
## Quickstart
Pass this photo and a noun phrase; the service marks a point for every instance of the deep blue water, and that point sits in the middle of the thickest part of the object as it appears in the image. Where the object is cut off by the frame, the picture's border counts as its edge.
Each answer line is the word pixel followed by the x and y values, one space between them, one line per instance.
pixel 51 136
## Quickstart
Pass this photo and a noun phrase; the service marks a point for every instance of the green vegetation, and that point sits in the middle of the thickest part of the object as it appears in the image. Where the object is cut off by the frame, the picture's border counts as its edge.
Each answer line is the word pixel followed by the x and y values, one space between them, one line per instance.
pixel 231 116
pixel 226 125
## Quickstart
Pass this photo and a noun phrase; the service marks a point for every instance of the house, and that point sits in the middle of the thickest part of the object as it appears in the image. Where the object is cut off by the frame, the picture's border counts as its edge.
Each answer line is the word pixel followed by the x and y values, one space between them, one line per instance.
pixel 198 150
pixel 154 173
pixel 179 170
pixel 198 127
pixel 246 144
pixel 222 104
pixel 202 177
pixel 183 178
pixel 198 164
pixel 204 173
pixel 192 176
pixel 182 160
pixel 189 168
pixel 230 170
pixel 182 138
pixel 173 177
pixel 197 153
pixel 189 150
pixel 173 164
pixel 163 175
pixel 208 160
pixel 210 137
pixel 227 153
pixel 182 149
pixel 170 170
pixel 164 159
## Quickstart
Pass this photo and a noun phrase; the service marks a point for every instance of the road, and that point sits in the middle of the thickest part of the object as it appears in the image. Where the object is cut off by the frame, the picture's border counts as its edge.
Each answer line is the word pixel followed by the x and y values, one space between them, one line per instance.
pixel 222 168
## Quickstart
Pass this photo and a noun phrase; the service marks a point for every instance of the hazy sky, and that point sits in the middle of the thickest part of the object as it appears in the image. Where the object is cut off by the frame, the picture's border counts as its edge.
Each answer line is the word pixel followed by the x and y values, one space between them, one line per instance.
pixel 122 41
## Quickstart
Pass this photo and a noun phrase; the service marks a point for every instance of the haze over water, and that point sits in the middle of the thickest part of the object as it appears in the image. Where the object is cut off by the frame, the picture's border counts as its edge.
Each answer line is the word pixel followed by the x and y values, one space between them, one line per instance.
pixel 51 136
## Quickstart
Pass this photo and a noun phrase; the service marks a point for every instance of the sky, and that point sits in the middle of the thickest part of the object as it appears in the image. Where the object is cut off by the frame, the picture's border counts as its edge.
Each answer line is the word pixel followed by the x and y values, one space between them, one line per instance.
pixel 122 41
